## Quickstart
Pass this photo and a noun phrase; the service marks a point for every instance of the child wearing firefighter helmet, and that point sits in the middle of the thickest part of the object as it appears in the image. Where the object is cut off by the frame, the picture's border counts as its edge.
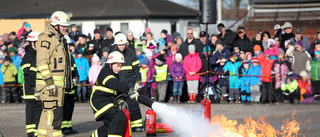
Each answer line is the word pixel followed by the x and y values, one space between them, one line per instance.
pixel 104 91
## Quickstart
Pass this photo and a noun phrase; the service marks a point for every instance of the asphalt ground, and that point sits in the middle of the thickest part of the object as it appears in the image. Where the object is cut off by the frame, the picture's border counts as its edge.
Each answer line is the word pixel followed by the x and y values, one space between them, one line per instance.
pixel 12 117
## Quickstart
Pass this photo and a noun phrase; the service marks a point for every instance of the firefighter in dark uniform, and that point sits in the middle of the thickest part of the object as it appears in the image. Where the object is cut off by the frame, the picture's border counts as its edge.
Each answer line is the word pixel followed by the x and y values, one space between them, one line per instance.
pixel 69 98
pixel 33 105
pixel 131 76
pixel 106 88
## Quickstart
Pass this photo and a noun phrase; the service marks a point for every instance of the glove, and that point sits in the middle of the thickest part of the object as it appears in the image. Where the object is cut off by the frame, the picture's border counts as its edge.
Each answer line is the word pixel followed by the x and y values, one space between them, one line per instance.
pixel 52 90
pixel 169 79
pixel 74 81
pixel 133 94
pixel 37 96
pixel 150 81
pixel 137 86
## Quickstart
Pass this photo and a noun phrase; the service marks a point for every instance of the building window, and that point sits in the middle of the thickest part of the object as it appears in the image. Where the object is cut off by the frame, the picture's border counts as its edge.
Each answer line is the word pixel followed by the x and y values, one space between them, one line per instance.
pixel 124 27
pixel 173 27
pixel 103 29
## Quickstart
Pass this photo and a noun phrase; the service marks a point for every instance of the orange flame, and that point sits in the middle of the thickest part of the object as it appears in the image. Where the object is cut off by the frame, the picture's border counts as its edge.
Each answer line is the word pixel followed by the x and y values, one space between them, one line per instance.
pixel 252 128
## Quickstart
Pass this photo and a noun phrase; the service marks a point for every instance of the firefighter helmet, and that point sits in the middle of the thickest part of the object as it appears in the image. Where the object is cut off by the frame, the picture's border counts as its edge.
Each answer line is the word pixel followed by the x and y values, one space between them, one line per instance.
pixel 115 57
pixel 59 18
pixel 33 36
pixel 120 39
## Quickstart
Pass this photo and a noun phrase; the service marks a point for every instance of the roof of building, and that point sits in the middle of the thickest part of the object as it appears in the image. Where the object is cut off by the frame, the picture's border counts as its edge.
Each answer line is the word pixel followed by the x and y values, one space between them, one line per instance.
pixel 96 9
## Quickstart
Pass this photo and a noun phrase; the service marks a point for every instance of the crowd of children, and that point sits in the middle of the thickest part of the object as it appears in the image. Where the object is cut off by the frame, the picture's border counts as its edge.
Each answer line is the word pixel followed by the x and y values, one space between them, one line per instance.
pixel 267 70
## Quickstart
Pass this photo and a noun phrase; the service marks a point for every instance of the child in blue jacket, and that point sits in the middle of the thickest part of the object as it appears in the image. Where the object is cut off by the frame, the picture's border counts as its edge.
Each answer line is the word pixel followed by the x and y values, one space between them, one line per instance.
pixel 245 82
pixel 83 70
pixel 232 67
pixel 255 81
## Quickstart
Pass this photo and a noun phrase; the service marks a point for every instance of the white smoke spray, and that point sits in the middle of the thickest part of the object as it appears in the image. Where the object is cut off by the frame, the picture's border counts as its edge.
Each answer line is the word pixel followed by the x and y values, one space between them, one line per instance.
pixel 186 123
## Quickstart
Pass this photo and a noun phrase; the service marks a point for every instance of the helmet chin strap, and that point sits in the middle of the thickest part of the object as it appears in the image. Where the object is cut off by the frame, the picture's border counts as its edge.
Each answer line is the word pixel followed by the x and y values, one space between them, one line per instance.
pixel 58 30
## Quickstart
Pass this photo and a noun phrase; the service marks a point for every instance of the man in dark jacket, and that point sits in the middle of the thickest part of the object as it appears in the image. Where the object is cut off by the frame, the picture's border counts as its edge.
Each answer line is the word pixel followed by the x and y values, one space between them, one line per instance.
pixel 190 40
pixel 131 76
pixel 109 40
pixel 98 42
pixel 227 37
pixel 243 42
pixel 287 28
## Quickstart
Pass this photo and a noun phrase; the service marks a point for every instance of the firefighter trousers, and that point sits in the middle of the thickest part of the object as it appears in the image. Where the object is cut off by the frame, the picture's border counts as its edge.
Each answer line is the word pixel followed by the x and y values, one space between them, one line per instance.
pixel 68 108
pixel 33 113
pixel 134 109
pixel 52 114
pixel 114 123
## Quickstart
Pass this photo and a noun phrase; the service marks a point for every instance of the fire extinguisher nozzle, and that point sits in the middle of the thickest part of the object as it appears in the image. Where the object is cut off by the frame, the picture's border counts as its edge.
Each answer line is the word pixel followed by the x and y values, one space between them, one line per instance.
pixel 145 101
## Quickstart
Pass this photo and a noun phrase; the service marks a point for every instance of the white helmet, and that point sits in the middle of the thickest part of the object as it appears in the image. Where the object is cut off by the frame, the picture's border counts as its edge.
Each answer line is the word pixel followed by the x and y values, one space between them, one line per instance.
pixel 67 38
pixel 33 36
pixel 59 18
pixel 120 39
pixel 115 57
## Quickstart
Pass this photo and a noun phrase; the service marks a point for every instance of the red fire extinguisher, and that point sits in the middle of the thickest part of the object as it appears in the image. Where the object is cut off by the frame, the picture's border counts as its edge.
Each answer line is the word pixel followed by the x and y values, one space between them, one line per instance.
pixel 151 128
pixel 207 109
pixel 127 130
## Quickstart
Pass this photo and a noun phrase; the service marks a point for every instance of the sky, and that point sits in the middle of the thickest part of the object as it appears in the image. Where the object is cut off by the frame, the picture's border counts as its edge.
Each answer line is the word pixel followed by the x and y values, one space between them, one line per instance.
pixel 187 2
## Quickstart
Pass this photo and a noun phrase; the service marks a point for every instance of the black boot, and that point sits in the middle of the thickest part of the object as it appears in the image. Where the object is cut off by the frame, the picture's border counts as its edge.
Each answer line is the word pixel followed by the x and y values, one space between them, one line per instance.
pixel 79 98
pixel 178 99
pixel 83 99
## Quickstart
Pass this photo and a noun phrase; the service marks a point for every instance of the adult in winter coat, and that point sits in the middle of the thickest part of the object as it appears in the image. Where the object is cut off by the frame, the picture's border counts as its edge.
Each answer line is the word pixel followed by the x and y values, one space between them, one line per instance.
pixel 192 65
pixel 98 42
pixel 288 34
pixel 130 75
pixel 243 42
pixel 305 41
pixel 88 53
pixel 301 59
pixel 183 49
pixel 228 37
pixel 109 40
pixel 102 100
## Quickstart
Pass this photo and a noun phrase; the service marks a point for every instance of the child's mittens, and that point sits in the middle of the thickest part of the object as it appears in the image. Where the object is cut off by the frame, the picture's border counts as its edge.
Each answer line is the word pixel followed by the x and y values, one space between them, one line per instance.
pixel 169 79
pixel 150 81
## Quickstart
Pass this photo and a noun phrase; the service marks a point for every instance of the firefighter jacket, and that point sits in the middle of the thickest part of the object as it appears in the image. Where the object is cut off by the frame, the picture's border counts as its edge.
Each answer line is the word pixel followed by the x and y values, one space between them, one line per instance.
pixel 53 60
pixel 104 90
pixel 129 72
pixel 28 66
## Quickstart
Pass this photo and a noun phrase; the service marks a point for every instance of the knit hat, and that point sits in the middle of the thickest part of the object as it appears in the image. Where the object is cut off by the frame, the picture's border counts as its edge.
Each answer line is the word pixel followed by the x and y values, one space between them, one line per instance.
pixel 109 29
pixel 236 48
pixel 173 48
pixel 169 38
pixel 203 34
pixel 303 73
pixel 246 62
pixel 191 47
pixel 80 51
pixel 218 41
pixel 7 58
pixel 271 43
pixel 241 52
pixel 299 42
pixel 298 30
pixel 139 48
pixel 160 58
pixel 178 56
pixel 151 47
pixel 247 54
pixel 105 49
pixel 259 32
pixel 147 29
pixel 96 31
pixel 220 24
pixel 161 41
pixel 143 38
pixel 145 61
pixel 280 51
pixel 162 47
pixel 95 58
pixel 234 56
pixel 276 27
pixel 286 25
pixel 255 60
pixel 164 31
pixel 27 25
pixel 179 37
pixel 175 35
pixel 317 51
pixel 294 76
pixel 12 49
pixel 149 53
pixel 257 48
pixel 205 49
pixel 129 31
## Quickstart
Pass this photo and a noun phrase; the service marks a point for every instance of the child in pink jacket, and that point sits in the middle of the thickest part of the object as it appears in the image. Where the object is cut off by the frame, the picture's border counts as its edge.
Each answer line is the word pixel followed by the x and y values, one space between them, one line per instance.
pixel 94 69
pixel 192 65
